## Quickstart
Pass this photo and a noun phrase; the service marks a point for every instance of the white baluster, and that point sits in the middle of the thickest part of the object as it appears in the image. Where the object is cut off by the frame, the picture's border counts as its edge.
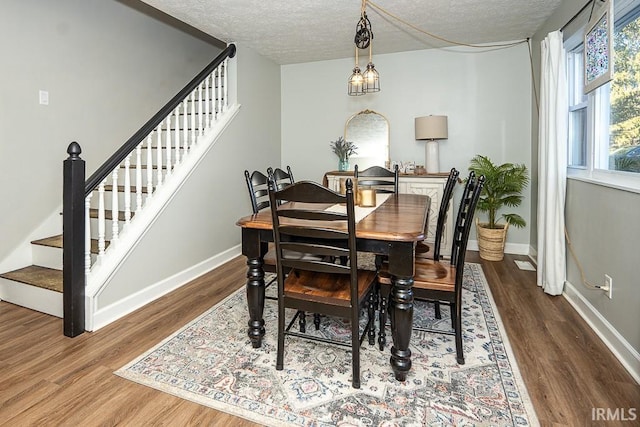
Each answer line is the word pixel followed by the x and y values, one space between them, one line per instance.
pixel 127 189
pixel 159 156
pixel 139 176
pixel 212 97
pixel 102 222
pixel 224 85
pixel 176 135
pixel 218 92
pixel 185 127
pixel 207 103
pixel 114 205
pixel 192 113
pixel 149 166
pixel 200 110
pixel 168 144
pixel 87 234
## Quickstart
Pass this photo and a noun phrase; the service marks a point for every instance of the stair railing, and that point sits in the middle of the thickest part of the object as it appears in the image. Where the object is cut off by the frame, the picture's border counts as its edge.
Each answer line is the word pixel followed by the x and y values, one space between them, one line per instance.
pixel 172 132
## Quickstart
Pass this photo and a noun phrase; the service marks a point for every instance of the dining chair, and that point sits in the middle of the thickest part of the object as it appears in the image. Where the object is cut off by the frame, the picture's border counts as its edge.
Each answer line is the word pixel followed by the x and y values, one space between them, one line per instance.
pixel 424 250
pixel 441 280
pixel 257 184
pixel 282 178
pixel 315 283
pixel 381 179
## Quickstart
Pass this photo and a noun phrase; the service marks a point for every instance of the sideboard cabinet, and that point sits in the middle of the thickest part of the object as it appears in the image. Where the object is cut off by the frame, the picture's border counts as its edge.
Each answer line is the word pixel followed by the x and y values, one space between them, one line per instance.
pixel 431 185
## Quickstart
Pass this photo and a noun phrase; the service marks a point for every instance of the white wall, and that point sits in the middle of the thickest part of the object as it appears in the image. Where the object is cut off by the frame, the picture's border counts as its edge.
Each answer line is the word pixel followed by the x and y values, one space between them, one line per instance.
pixel 199 223
pixel 485 94
pixel 107 67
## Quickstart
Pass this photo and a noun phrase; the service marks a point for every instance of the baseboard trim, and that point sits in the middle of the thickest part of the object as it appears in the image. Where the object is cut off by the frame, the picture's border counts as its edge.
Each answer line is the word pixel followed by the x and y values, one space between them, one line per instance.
pixel 106 315
pixel 509 248
pixel 619 346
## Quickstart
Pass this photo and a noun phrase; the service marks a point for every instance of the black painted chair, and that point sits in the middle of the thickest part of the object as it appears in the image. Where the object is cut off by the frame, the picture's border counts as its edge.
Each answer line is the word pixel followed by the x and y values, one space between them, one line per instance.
pixel 257 184
pixel 440 280
pixel 283 179
pixel 424 250
pixel 315 283
pixel 380 179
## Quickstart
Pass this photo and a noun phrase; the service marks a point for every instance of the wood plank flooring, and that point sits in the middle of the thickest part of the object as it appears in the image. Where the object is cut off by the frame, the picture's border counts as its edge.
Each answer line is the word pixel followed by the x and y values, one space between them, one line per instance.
pixel 47 379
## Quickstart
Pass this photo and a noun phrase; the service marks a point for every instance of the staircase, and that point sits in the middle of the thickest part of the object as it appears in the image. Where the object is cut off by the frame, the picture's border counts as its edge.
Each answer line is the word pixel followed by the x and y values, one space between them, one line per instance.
pixel 120 200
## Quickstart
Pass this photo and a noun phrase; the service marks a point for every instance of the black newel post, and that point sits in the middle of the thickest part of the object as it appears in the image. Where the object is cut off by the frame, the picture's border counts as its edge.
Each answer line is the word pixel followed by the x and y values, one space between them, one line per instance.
pixel 73 241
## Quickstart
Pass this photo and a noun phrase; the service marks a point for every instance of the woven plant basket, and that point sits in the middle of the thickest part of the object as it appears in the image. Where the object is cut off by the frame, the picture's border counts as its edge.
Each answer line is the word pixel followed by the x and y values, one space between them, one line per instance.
pixel 491 241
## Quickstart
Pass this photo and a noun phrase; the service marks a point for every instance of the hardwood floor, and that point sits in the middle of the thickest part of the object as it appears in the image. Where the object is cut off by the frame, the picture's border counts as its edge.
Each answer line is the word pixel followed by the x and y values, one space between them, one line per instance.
pixel 47 379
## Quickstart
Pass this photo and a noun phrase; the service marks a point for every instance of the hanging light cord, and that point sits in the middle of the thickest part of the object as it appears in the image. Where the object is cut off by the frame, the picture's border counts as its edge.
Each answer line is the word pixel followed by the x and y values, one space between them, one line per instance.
pixel 408 24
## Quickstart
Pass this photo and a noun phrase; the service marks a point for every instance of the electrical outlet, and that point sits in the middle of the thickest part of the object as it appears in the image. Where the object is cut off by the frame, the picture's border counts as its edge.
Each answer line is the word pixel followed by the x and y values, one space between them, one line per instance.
pixel 608 285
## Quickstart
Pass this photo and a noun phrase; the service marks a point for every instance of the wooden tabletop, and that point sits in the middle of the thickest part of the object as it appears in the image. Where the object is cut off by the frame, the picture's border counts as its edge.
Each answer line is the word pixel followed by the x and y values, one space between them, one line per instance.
pixel 402 217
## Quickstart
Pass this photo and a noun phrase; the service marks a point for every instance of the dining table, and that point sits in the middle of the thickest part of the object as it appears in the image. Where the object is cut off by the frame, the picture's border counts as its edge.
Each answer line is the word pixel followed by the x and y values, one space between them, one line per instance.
pixel 391 229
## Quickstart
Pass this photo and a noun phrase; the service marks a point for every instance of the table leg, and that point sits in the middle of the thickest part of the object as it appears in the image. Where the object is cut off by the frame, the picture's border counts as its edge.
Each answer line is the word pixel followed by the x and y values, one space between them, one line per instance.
pixel 255 301
pixel 254 249
pixel 401 306
pixel 401 312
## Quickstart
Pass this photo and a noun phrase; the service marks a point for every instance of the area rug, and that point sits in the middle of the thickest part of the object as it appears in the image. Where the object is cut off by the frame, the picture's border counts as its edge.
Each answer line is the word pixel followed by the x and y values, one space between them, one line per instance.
pixel 211 361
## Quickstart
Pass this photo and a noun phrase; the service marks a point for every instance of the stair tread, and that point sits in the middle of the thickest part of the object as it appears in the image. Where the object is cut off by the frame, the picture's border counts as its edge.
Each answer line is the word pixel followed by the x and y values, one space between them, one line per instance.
pixel 34 275
pixel 56 242
pixel 108 214
pixel 121 188
pixel 142 167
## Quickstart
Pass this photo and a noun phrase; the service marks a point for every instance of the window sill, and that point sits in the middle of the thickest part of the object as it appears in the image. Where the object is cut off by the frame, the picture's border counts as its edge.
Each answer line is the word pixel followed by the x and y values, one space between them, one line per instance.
pixel 618 180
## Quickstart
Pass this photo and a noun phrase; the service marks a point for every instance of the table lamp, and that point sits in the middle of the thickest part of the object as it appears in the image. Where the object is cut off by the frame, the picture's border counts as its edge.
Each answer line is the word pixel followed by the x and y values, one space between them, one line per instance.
pixel 431 128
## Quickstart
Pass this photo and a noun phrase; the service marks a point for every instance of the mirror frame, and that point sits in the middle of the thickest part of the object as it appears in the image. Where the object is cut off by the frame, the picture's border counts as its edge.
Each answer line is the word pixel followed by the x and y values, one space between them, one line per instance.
pixel 387 157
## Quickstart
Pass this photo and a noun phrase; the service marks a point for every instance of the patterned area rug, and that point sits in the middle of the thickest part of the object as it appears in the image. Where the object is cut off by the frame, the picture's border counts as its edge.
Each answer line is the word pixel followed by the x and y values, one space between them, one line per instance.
pixel 211 361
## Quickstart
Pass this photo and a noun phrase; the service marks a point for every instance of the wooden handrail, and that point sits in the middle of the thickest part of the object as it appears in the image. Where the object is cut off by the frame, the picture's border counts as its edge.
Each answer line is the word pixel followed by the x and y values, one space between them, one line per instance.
pixel 107 167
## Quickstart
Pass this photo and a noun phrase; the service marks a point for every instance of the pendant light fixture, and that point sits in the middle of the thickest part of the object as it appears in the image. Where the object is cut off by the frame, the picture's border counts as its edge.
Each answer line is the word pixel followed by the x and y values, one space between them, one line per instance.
pixel 369 81
pixel 356 81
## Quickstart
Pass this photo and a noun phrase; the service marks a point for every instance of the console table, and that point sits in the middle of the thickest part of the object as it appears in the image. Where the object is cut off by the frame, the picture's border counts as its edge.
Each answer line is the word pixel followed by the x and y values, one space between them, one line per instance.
pixel 431 185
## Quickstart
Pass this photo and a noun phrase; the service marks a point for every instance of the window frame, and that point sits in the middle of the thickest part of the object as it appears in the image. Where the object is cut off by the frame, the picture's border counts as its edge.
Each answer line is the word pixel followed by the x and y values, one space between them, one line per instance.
pixel 598 105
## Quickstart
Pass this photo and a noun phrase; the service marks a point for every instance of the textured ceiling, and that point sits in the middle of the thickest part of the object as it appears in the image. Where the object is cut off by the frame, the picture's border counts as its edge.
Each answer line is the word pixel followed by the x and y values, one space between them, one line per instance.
pixel 292 31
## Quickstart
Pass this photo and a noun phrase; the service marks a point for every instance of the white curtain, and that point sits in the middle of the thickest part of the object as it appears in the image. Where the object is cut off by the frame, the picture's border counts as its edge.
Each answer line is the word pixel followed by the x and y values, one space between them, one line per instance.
pixel 552 169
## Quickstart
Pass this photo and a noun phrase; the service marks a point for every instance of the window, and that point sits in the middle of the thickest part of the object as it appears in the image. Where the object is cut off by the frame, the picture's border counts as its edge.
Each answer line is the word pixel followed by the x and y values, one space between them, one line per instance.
pixel 604 125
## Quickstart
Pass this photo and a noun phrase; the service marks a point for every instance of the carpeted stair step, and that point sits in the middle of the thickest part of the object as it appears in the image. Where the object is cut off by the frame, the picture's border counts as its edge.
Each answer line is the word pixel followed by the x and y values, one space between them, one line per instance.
pixel 41 277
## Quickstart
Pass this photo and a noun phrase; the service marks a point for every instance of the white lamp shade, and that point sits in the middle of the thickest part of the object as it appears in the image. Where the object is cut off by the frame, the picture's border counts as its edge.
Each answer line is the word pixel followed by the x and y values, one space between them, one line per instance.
pixel 431 127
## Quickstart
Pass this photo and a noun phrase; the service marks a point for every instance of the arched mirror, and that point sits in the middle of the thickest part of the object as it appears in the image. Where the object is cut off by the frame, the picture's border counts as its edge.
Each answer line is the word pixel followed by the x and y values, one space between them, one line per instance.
pixel 370 132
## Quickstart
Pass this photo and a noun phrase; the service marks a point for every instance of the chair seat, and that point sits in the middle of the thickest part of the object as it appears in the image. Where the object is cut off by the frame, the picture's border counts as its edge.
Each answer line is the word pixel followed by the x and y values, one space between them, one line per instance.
pixel 325 287
pixel 428 274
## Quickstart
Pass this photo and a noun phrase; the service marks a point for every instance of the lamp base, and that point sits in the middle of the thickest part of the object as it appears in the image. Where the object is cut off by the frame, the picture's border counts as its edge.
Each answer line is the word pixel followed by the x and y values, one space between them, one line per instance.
pixel 432 161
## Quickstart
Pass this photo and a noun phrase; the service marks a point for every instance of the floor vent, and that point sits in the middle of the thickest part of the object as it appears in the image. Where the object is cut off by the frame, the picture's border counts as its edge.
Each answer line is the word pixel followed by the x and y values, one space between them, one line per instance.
pixel 525 265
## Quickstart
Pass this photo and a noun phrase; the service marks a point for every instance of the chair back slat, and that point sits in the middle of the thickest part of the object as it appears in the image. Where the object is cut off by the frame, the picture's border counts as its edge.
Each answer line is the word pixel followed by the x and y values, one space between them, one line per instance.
pixel 381 179
pixel 323 250
pixel 316 215
pixel 317 266
pixel 447 195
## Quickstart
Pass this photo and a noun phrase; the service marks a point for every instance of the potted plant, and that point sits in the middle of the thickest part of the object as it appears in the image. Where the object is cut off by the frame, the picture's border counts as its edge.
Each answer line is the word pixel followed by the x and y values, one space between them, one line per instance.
pixel 343 149
pixel 503 187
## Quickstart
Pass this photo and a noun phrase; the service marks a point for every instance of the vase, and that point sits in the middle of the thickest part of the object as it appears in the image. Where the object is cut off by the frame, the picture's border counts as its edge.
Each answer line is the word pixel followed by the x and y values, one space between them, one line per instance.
pixel 343 165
